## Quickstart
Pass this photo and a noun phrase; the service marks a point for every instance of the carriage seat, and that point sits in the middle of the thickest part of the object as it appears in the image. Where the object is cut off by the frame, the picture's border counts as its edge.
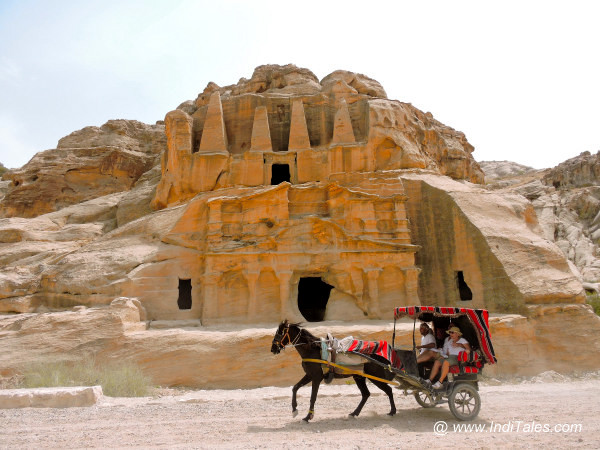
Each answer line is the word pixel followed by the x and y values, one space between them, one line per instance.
pixel 468 362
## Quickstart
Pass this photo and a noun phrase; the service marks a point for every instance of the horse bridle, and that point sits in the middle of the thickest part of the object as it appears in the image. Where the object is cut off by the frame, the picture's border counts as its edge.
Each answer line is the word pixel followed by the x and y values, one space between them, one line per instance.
pixel 284 334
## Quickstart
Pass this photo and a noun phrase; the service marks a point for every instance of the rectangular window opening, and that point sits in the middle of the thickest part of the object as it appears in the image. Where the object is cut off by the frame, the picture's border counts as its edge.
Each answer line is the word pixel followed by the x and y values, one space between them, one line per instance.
pixel 184 301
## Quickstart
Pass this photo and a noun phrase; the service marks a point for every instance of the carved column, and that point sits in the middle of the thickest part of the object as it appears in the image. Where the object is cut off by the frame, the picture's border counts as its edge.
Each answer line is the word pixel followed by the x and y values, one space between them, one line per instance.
pixel 252 278
pixel 373 291
pixel 284 293
pixel 411 286
pixel 211 298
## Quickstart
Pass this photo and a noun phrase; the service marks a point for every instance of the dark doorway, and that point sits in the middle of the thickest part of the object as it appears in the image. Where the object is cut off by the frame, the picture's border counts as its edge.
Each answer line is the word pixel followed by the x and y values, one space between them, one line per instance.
pixel 185 294
pixel 313 294
pixel 280 173
pixel 463 288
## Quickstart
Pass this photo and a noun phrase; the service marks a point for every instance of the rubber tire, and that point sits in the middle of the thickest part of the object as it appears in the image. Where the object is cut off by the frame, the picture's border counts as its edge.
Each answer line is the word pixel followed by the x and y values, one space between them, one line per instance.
pixel 464 392
pixel 423 401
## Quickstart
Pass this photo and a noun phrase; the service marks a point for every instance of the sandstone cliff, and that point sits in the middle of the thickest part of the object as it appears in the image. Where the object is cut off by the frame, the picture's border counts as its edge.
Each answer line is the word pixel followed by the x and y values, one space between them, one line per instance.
pixel 583 170
pixel 566 199
pixel 281 196
pixel 87 164
pixel 239 357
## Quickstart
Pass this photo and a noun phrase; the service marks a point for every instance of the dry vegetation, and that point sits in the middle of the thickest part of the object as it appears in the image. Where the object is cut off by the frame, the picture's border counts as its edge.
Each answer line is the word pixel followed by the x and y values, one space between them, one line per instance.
pixel 116 379
pixel 594 301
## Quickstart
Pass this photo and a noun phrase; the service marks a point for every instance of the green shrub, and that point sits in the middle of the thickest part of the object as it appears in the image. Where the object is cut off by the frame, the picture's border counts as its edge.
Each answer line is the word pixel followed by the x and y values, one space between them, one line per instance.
pixel 116 379
pixel 594 300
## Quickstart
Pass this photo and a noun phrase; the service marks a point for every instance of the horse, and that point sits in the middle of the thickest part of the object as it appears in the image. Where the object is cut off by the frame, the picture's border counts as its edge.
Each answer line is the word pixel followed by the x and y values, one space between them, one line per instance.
pixel 309 347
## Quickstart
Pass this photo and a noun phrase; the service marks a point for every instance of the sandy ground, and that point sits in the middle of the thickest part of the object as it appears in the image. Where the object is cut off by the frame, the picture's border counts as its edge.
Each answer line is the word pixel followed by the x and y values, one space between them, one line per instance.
pixel 565 414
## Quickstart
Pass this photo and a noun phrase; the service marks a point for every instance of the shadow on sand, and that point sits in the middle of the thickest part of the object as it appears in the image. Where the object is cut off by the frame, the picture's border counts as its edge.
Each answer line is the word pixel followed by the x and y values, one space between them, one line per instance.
pixel 405 420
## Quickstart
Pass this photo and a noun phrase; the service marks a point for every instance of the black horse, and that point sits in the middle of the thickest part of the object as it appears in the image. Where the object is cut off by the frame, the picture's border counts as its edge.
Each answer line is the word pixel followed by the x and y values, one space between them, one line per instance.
pixel 309 347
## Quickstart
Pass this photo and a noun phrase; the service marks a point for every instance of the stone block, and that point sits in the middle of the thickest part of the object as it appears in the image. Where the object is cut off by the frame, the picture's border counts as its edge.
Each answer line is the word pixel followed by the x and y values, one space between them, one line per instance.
pixel 54 397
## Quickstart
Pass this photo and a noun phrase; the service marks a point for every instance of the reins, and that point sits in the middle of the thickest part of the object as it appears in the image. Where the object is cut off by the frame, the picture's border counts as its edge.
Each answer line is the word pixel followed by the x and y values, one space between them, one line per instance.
pixel 350 371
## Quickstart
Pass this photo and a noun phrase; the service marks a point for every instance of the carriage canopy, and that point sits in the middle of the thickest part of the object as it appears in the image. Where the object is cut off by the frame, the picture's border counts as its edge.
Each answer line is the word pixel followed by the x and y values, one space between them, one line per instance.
pixel 472 322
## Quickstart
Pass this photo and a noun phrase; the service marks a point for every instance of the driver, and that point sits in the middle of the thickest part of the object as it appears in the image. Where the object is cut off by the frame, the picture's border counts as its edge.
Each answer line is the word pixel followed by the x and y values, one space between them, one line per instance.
pixel 453 345
pixel 427 347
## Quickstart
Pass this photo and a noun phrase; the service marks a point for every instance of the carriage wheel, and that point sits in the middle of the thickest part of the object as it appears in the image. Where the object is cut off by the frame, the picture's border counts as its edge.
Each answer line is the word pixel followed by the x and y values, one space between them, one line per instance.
pixel 424 400
pixel 464 402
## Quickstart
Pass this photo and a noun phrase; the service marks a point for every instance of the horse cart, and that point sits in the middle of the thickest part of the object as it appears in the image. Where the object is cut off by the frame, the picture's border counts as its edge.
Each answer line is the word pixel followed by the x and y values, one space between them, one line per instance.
pixel 386 365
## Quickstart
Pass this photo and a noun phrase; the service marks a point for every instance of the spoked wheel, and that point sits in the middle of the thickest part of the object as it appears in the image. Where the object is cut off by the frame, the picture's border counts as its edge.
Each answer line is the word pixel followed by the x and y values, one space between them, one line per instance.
pixel 424 400
pixel 464 402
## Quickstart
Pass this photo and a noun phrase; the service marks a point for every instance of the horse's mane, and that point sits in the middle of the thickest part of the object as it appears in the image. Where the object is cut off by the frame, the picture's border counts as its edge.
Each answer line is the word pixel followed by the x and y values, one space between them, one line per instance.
pixel 310 338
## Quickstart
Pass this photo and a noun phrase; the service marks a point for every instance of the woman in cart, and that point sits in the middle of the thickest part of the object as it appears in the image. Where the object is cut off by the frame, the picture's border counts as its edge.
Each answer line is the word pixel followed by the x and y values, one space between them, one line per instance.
pixel 453 345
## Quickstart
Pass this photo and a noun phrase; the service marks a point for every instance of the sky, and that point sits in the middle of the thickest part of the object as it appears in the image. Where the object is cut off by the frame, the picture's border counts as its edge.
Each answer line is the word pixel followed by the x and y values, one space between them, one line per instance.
pixel 520 78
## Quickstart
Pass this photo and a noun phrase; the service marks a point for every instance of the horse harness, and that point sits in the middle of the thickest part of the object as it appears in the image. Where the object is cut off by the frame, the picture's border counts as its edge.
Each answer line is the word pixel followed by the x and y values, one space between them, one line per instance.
pixel 285 334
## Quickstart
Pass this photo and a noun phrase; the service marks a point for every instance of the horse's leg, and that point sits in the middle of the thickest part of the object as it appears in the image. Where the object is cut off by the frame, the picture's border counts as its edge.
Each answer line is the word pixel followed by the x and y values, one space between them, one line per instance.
pixel 316 382
pixel 361 382
pixel 388 390
pixel 305 379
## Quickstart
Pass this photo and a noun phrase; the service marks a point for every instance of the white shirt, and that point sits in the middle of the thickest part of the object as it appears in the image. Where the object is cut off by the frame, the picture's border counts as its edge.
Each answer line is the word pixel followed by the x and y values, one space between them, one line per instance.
pixel 428 339
pixel 451 349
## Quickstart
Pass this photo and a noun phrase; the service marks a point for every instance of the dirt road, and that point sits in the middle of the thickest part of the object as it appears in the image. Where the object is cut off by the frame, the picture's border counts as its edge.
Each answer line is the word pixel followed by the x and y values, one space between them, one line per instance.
pixel 562 415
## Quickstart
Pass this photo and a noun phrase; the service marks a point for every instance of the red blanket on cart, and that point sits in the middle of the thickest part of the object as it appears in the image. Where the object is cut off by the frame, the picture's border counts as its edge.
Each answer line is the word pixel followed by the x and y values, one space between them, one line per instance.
pixel 380 348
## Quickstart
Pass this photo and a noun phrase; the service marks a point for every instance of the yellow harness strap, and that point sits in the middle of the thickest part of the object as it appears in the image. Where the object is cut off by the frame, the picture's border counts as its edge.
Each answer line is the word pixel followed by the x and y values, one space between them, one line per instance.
pixel 349 371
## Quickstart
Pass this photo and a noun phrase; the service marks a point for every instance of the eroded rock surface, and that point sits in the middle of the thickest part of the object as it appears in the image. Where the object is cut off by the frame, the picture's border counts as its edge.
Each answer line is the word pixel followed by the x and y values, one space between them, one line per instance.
pixel 566 199
pixel 581 171
pixel 88 163
pixel 231 357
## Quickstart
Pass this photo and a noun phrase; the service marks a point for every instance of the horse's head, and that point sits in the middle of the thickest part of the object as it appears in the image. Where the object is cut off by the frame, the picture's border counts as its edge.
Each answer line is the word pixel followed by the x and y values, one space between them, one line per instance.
pixel 282 337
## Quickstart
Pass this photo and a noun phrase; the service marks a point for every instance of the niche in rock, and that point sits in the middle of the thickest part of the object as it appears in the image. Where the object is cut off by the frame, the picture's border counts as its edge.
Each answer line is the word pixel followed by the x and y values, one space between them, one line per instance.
pixel 184 301
pixel 464 291
pixel 280 173
pixel 313 294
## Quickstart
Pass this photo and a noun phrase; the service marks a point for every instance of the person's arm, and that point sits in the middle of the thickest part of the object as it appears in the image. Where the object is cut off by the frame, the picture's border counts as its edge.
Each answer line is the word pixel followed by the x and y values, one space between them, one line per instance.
pixel 466 346
pixel 431 345
pixel 444 351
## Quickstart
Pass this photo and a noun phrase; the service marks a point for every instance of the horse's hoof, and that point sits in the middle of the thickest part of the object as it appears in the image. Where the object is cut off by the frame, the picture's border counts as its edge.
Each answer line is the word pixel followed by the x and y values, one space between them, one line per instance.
pixel 354 416
pixel 294 413
pixel 391 414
